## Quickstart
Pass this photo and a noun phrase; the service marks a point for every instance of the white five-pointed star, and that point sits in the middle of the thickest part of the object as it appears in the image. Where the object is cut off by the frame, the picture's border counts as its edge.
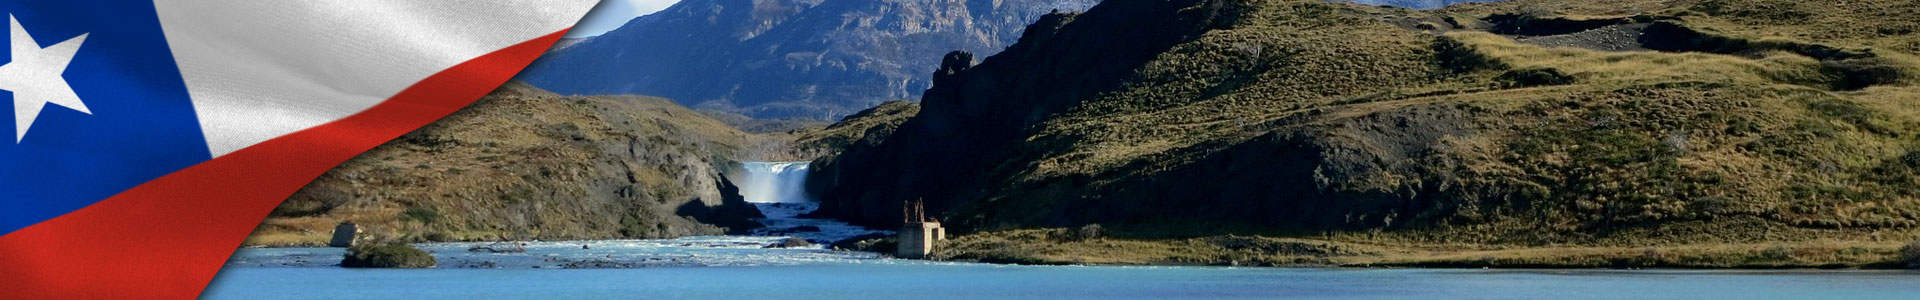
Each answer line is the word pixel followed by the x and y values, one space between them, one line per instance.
pixel 34 77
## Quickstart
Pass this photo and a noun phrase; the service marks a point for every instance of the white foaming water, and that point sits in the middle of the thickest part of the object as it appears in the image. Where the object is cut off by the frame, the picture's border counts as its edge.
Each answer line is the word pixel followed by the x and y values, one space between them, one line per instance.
pixel 778 189
pixel 775 182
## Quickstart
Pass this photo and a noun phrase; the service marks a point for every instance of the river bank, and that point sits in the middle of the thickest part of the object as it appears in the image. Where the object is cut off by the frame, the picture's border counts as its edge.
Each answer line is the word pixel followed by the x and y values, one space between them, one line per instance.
pixel 781 219
pixel 1073 247
pixel 776 190
pixel 1091 247
pixel 1086 247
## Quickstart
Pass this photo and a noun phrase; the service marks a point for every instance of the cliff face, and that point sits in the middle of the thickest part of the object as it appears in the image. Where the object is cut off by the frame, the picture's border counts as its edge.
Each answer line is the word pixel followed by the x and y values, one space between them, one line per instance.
pixel 523 163
pixel 1201 117
pixel 976 114
pixel 786 58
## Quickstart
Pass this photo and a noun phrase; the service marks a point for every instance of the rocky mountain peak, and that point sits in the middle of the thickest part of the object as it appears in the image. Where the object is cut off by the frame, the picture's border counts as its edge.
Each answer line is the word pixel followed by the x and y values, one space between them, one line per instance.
pixel 788 58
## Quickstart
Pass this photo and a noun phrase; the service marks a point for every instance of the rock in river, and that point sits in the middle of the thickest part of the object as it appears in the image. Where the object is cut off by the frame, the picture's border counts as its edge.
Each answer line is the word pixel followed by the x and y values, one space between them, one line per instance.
pixel 387 255
pixel 791 242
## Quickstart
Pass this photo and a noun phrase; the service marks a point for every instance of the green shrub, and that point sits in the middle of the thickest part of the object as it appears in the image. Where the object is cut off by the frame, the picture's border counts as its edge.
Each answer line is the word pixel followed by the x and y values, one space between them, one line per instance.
pixel 1860 73
pixel 387 255
pixel 1777 252
pixel 1532 77
pixel 1459 57
pixel 422 213
pixel 1910 255
pixel 437 237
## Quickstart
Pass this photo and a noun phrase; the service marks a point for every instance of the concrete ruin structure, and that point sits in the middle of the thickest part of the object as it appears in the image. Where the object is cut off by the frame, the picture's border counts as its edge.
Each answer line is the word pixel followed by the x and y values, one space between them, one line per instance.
pixel 916 239
pixel 917 233
pixel 344 234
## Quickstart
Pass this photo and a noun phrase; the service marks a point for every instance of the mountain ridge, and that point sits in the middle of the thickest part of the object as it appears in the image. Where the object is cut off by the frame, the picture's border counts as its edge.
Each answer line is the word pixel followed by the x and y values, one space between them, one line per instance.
pixel 818 59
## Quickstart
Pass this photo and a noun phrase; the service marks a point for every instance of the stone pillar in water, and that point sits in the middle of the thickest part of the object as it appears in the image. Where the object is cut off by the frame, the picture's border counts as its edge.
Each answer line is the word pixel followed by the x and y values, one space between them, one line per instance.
pixel 343 234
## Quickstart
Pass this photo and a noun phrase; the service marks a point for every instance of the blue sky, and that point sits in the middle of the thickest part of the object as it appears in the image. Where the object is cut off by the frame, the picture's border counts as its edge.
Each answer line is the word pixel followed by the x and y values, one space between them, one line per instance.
pixel 612 13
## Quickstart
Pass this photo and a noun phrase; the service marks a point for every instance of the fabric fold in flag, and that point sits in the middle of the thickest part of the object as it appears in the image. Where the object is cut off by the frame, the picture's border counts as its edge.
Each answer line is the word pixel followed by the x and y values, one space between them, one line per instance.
pixel 152 137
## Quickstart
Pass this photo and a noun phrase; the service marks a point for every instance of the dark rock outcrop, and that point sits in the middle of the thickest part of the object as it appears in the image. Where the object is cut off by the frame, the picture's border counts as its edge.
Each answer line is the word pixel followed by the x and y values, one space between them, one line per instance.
pixel 977 115
pixel 792 242
pixel 872 242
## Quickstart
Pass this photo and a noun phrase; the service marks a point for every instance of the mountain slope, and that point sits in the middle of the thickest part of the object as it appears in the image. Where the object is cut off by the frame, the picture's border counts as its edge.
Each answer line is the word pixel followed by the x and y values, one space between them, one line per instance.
pixel 872 124
pixel 1416 4
pixel 523 163
pixel 817 59
pixel 1759 121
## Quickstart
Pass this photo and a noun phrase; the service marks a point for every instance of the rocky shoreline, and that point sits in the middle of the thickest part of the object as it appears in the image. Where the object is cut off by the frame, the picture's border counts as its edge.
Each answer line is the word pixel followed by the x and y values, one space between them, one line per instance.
pixel 1061 247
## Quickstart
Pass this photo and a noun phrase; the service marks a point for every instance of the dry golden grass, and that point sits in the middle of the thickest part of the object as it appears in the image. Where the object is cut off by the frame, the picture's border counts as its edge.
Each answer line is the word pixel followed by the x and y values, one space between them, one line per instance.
pixel 287 239
pixel 1594 67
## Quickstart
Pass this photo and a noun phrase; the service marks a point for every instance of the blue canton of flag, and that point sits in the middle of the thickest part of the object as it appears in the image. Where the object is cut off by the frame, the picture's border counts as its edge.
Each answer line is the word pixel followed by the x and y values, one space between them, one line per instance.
pixel 178 125
pixel 127 119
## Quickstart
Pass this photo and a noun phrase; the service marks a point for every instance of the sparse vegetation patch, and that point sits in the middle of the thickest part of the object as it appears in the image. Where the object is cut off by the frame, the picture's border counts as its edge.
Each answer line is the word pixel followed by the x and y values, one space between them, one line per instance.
pixel 1532 77
pixel 1910 255
pixel 392 255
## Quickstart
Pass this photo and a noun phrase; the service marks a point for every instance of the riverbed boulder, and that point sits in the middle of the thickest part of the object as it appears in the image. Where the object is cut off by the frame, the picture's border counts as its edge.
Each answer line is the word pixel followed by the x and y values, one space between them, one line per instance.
pixel 872 242
pixel 792 242
pixel 387 255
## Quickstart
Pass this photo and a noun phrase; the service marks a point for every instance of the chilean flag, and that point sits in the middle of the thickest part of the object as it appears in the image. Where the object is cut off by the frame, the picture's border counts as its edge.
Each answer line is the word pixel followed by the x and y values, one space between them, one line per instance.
pixel 148 138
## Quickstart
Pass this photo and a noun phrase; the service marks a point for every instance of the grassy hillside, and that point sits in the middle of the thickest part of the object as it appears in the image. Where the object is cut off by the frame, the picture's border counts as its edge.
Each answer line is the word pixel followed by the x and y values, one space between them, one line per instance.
pixel 523 163
pixel 801 140
pixel 765 126
pixel 867 125
pixel 1526 123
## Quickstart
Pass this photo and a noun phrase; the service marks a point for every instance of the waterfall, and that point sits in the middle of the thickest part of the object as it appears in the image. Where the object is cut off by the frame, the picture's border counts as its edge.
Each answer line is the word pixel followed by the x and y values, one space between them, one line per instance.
pixel 779 190
pixel 775 182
